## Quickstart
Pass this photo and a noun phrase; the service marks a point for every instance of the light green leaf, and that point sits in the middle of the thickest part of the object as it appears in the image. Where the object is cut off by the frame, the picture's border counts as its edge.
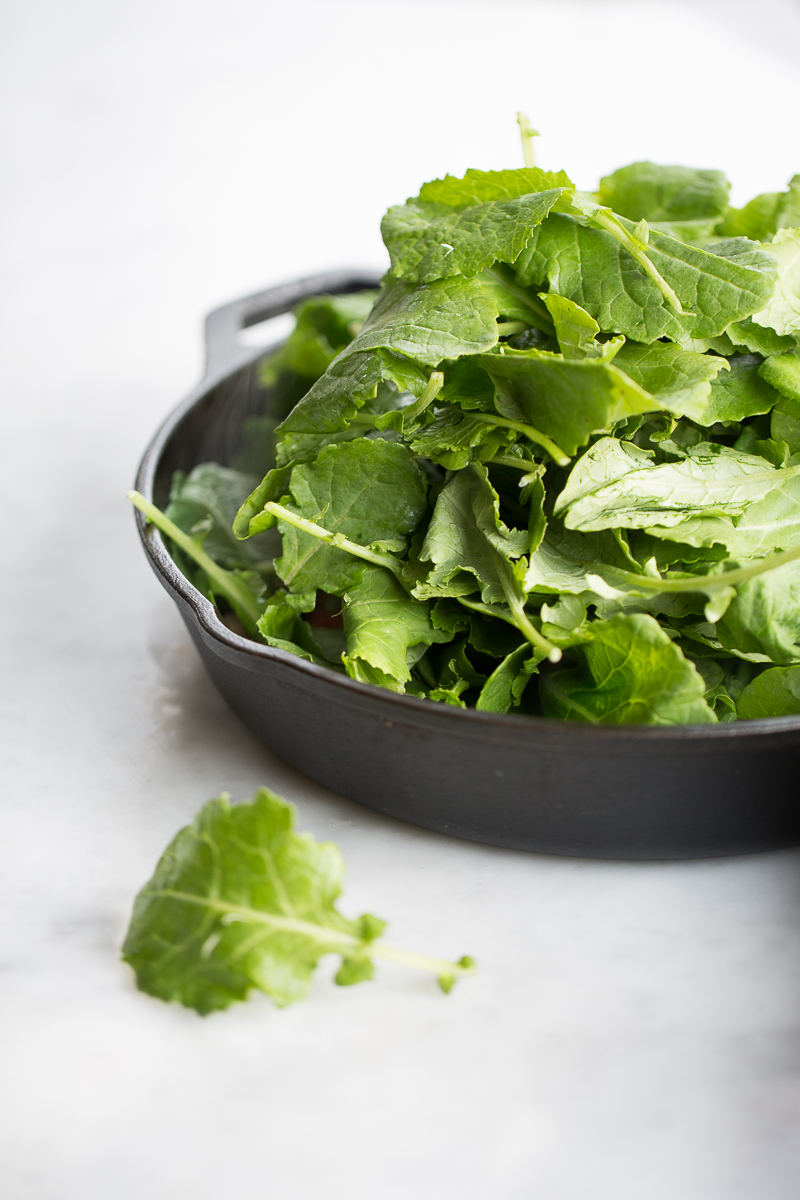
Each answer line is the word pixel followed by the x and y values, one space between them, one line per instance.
pixel 240 901
pixel 782 313
pixel 459 226
pixel 591 268
pixel 656 193
pixel 772 523
pixel 765 616
pixel 764 215
pixel 774 693
pixel 382 622
pixel 564 559
pixel 325 325
pixel 630 673
pixel 782 371
pixel 758 339
pixel 680 380
pixel 369 491
pixel 444 319
pixel 611 487
pixel 577 331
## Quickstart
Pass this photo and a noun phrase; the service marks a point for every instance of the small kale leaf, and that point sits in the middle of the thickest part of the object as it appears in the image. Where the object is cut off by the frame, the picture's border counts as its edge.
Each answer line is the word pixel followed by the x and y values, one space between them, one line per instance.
pixel 459 226
pixel 782 313
pixel 382 624
pixel 616 485
pixel 239 900
pixel 368 491
pixel 630 672
pixel 656 193
pixel 773 693
pixel 443 319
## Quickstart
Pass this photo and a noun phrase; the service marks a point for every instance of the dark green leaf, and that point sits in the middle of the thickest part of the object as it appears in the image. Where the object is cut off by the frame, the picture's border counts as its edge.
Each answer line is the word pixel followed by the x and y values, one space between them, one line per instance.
pixel 370 491
pixel 382 623
pixel 460 226
pixel 565 399
pixel 590 267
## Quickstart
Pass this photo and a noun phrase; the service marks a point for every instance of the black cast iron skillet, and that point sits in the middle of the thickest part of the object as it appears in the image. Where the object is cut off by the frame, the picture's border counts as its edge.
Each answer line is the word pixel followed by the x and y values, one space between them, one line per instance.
pixel 559 787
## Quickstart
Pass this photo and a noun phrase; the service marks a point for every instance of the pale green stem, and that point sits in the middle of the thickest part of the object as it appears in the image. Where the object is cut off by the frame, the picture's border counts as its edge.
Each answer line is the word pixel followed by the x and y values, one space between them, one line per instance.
pixel 429 394
pixel 335 539
pixel 707 582
pixel 506 460
pixel 533 435
pixel 520 618
pixel 240 599
pixel 527 133
pixel 634 247
pixel 509 328
pixel 491 610
pixel 321 933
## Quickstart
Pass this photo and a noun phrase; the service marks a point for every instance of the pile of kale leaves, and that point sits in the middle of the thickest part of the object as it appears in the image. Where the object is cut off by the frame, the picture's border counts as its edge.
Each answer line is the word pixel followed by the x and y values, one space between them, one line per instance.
pixel 552 467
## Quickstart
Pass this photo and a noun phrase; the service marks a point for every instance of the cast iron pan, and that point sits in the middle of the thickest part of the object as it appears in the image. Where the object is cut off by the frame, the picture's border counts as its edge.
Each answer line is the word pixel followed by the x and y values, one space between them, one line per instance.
pixel 634 792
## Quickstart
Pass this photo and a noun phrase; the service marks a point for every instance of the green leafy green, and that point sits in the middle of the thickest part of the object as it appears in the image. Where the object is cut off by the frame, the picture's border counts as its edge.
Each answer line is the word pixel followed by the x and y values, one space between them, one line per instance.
pixel 239 901
pixel 782 312
pixel 630 672
pixel 566 399
pixel 739 392
pixel 680 380
pixel 568 426
pixel 774 693
pixel 589 266
pixel 370 492
pixel 382 623
pixel 325 325
pixel 443 319
pixel 460 226
pixel 764 617
pixel 655 193
pixel 617 485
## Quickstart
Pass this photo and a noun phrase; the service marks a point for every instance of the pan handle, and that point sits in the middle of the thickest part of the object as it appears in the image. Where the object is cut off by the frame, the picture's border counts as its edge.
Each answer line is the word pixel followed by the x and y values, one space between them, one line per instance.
pixel 225 353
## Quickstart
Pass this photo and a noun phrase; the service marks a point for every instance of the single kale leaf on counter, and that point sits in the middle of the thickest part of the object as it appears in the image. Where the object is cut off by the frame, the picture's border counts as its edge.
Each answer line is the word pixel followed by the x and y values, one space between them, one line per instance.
pixel 241 901
pixel 550 468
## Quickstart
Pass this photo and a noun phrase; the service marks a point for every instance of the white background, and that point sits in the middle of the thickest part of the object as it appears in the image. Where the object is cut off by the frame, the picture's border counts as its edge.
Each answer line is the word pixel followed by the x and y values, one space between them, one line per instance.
pixel 633 1033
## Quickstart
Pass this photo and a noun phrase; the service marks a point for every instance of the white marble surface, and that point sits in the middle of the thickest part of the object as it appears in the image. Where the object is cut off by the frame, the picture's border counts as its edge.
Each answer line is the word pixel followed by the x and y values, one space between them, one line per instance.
pixel 634 1029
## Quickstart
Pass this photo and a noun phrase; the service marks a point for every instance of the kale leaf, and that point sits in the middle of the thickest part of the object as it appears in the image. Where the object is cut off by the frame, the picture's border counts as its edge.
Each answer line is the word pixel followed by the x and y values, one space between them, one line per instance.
pixel 239 900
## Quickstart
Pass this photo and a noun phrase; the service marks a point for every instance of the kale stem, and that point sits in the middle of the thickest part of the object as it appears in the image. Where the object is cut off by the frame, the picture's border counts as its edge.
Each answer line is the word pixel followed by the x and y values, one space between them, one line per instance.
pixel 709 582
pixel 506 460
pixel 322 933
pixel 533 435
pixel 335 539
pixel 239 597
pixel 517 607
pixel 527 133
pixel 429 394
pixel 634 247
